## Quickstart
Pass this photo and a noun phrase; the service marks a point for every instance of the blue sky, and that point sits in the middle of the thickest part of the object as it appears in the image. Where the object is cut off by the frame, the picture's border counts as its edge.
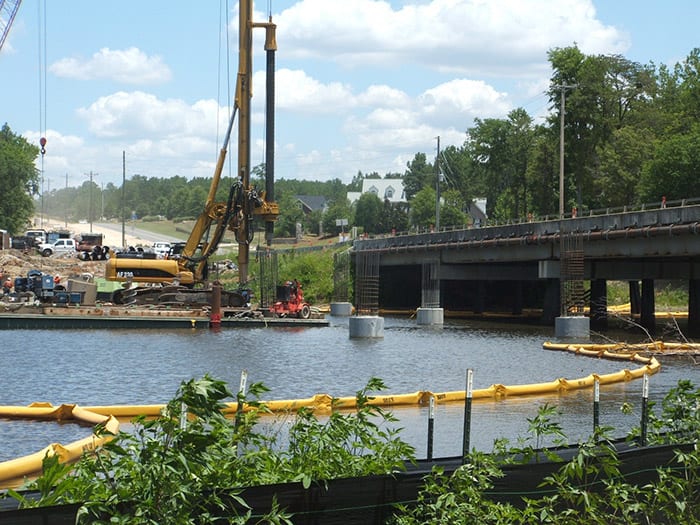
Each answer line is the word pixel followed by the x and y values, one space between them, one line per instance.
pixel 361 84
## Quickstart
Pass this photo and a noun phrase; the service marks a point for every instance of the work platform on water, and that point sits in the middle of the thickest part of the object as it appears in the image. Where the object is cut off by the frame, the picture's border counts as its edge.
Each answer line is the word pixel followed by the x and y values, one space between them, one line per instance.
pixel 112 317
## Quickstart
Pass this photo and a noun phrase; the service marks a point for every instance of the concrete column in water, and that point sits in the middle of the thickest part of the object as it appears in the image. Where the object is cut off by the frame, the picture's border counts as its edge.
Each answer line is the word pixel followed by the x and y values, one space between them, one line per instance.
pixel 341 309
pixel 430 316
pixel 430 312
pixel 366 326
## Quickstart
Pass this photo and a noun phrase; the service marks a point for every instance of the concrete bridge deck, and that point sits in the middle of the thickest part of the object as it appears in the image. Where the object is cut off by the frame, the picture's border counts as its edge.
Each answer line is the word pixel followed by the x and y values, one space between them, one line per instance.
pixel 640 245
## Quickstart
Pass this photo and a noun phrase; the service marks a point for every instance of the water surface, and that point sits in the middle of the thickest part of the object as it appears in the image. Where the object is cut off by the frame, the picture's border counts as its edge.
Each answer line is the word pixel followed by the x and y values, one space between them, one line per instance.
pixel 91 367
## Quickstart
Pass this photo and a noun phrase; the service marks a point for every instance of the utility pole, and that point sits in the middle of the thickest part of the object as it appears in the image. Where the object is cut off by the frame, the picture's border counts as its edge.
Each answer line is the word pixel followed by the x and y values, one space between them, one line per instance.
pixel 562 111
pixel 437 187
pixel 66 204
pixel 91 175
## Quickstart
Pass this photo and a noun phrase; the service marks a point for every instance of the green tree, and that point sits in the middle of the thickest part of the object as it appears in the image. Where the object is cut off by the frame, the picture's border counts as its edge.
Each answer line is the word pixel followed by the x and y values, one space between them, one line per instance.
pixel 451 214
pixel 419 174
pixel 673 172
pixel 602 94
pixel 338 209
pixel 500 151
pixel 394 217
pixel 423 208
pixel 621 164
pixel 368 213
pixel 19 181
pixel 290 214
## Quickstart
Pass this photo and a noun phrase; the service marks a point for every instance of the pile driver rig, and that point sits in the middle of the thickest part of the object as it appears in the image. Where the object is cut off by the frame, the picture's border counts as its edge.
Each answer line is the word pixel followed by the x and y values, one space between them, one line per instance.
pixel 183 279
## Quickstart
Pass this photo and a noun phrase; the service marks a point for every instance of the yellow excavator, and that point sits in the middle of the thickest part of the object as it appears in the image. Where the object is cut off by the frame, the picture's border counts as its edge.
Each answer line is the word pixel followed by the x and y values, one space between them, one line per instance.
pixel 183 279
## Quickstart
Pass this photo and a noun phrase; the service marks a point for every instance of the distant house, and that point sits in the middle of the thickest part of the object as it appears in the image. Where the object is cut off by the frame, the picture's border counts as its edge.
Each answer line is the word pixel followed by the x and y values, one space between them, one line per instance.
pixel 477 211
pixel 311 203
pixel 386 189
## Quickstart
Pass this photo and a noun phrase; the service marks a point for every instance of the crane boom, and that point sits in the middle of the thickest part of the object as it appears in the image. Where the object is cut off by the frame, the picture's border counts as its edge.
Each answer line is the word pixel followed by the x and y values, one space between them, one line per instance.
pixel 8 10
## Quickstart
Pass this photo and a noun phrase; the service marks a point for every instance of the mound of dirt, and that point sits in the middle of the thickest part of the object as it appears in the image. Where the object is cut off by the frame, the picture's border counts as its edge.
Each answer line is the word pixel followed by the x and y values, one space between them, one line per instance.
pixel 16 263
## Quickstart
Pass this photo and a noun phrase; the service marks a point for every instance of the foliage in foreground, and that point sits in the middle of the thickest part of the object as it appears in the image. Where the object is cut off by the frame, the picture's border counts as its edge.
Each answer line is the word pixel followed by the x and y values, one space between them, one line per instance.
pixel 588 489
pixel 183 466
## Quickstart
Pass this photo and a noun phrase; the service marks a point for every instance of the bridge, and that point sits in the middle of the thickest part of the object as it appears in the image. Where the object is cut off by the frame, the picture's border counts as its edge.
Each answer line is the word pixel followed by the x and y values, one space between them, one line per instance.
pixel 517 267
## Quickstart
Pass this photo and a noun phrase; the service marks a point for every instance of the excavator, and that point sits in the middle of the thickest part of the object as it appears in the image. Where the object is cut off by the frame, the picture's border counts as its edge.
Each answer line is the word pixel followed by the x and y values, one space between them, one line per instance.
pixel 183 280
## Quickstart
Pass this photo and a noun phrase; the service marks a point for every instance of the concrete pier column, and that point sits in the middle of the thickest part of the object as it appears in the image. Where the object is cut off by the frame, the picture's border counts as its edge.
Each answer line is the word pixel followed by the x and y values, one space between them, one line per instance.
pixel 341 309
pixel 552 302
pixel 430 316
pixel 648 311
pixel 599 304
pixel 635 298
pixel 367 327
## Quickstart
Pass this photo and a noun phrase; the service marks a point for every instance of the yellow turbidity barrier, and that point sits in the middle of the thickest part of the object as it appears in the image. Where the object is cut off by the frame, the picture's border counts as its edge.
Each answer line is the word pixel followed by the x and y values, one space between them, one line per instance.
pixel 13 472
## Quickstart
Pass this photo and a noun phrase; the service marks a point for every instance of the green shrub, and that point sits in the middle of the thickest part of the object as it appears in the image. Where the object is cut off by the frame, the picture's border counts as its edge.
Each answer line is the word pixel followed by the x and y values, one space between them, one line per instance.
pixel 181 467
pixel 313 269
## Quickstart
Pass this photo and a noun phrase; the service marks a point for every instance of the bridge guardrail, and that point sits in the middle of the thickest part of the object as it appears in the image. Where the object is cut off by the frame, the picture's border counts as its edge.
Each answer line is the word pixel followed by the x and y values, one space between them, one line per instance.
pixel 646 216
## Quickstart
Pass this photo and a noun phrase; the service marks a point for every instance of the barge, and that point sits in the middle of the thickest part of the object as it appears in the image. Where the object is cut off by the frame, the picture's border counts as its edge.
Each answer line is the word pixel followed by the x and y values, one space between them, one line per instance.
pixel 30 316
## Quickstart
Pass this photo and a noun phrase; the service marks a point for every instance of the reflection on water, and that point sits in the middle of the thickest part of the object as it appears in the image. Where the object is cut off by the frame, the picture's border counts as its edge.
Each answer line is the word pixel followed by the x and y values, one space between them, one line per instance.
pixel 145 367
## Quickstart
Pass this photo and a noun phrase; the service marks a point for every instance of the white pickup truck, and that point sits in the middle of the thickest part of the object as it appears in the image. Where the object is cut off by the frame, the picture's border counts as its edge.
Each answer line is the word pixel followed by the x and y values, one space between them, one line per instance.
pixel 161 249
pixel 58 247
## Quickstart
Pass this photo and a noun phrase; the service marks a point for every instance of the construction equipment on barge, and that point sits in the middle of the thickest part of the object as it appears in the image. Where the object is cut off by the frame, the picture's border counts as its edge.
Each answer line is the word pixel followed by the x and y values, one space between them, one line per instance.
pixel 184 279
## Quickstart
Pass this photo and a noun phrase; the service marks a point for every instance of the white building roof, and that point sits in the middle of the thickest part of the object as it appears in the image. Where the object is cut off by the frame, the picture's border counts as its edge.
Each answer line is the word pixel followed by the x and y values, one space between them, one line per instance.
pixel 385 189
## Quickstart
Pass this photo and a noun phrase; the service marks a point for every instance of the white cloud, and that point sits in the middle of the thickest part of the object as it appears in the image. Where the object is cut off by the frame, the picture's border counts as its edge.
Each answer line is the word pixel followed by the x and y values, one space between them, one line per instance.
pixel 298 92
pixel 462 100
pixel 488 37
pixel 142 115
pixel 130 66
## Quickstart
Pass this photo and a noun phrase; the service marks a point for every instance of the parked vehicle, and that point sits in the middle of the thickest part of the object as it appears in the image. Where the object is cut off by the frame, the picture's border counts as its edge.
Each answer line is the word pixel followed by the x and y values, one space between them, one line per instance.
pixel 22 242
pixel 58 247
pixel 161 249
pixel 88 241
pixel 39 236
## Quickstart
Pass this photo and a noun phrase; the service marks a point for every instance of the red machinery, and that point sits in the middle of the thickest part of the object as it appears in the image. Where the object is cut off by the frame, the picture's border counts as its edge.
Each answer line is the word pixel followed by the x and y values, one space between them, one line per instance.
pixel 290 301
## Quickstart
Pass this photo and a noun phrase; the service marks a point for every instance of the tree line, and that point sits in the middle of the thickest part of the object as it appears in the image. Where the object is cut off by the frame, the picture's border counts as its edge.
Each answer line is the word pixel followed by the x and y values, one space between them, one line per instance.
pixel 631 136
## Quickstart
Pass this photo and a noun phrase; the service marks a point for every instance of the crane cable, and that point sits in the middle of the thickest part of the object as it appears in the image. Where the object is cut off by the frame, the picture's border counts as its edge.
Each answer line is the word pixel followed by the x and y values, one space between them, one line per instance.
pixel 41 47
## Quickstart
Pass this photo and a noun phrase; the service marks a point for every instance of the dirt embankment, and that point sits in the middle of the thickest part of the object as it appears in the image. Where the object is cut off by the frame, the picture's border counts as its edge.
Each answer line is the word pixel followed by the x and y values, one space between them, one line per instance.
pixel 16 263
